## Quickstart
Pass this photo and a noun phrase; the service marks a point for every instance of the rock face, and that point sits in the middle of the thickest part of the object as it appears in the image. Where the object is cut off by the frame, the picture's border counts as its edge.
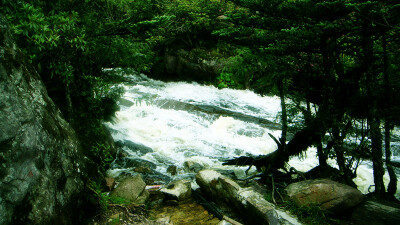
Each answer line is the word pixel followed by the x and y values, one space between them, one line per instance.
pixel 374 213
pixel 132 189
pixel 327 194
pixel 252 205
pixel 41 167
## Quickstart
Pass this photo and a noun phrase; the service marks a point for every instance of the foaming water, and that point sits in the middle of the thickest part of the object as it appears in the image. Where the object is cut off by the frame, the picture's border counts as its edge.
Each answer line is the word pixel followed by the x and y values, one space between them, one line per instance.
pixel 187 121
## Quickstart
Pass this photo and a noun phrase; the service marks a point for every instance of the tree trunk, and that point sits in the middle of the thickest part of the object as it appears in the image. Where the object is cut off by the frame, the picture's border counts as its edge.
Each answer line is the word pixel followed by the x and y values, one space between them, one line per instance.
pixel 376 145
pixel 281 87
pixel 368 60
pixel 392 187
pixel 340 158
pixel 303 139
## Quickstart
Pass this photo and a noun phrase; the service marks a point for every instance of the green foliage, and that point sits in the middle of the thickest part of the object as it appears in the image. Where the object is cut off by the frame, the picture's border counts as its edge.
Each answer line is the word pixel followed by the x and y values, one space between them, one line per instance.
pixel 240 69
pixel 103 97
pixel 103 154
pixel 103 199
pixel 99 197
pixel 312 214
pixel 186 24
pixel 225 80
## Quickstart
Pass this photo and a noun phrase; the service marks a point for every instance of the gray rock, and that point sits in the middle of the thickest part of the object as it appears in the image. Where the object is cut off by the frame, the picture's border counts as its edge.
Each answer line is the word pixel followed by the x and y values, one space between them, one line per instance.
pixel 132 189
pixel 254 208
pixel 179 190
pixel 327 194
pixel 192 166
pixel 134 147
pixel 41 166
pixel 172 169
pixel 128 162
pixel 374 213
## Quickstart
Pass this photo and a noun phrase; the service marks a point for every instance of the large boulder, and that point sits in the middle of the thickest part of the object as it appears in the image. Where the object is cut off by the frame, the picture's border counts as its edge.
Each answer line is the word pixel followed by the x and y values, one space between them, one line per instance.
pixel 327 194
pixel 251 204
pixel 41 166
pixel 132 189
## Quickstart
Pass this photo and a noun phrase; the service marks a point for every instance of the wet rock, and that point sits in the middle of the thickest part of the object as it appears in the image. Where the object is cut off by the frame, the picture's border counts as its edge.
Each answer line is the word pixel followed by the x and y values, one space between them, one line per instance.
pixel 228 173
pixel 192 166
pixel 125 102
pixel 128 166
pixel 134 147
pixel 42 167
pixel 127 162
pixel 180 190
pixel 132 189
pixel 327 194
pixel 374 213
pixel 254 208
pixel 142 170
pixel 172 170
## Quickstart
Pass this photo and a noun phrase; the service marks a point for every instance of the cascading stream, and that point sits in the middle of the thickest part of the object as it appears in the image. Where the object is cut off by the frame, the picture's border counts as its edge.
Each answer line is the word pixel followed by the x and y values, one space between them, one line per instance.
pixel 181 121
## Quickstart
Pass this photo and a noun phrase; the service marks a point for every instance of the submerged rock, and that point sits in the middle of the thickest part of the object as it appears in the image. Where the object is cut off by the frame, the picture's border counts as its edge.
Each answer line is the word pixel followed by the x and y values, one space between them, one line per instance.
pixel 132 189
pixel 327 194
pixel 134 147
pixel 41 165
pixel 252 205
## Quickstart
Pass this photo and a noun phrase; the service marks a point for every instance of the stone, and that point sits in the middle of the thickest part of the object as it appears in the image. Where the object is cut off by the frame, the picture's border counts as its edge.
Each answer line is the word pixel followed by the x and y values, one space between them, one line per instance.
pixel 327 194
pixel 179 190
pixel 132 189
pixel 143 170
pixel 251 204
pixel 224 222
pixel 117 216
pixel 130 162
pixel 134 147
pixel 42 167
pixel 374 213
pixel 164 220
pixel 172 170
pixel 192 166
pixel 110 183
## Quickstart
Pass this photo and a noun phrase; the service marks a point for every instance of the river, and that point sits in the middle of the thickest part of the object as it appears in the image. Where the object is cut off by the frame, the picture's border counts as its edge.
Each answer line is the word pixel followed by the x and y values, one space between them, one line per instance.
pixel 180 121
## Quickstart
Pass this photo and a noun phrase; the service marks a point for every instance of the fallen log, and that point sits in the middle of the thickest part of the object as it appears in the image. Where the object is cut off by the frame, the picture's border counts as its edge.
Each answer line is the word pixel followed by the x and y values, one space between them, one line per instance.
pixel 395 164
pixel 277 159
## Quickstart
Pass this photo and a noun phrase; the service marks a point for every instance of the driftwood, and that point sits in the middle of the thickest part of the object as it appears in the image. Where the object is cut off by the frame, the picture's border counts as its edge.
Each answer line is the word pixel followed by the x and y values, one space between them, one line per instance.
pixel 277 159
pixel 395 164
